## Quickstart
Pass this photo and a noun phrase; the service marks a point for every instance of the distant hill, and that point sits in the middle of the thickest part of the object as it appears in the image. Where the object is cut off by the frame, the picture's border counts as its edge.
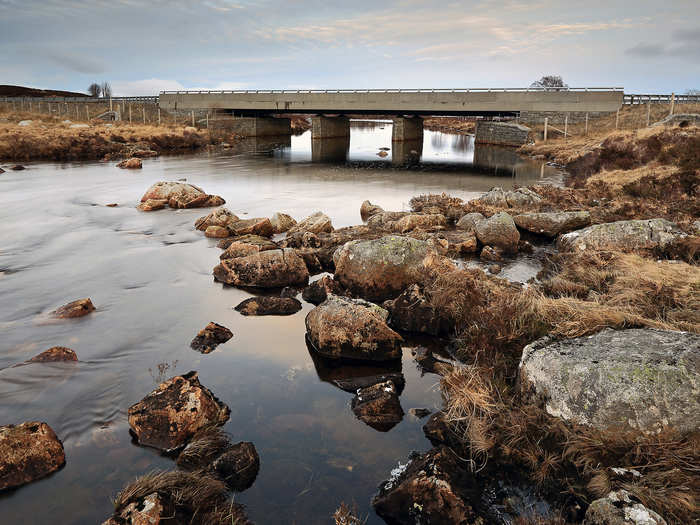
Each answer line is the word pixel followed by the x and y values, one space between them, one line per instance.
pixel 21 91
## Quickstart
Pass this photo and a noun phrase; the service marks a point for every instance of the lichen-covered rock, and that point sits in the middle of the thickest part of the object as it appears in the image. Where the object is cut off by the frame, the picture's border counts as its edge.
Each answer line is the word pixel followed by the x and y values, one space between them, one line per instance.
pixel 219 217
pixel 267 269
pixel 522 197
pixel 245 245
pixel 412 312
pixel 622 235
pixel 641 378
pixel 316 223
pixel 281 222
pixel 378 406
pixel 468 222
pixel 494 197
pixel 343 328
pixel 210 337
pixel 416 220
pixel 28 452
pixel 552 224
pixel 131 164
pixel 381 269
pixel 180 195
pixel 318 291
pixel 258 226
pixel 383 219
pixel 489 253
pixel 217 232
pixel 620 508
pixel 498 230
pixel 77 308
pixel 55 354
pixel 170 415
pixel 425 490
pixel 267 305
pixel 461 242
pixel 367 209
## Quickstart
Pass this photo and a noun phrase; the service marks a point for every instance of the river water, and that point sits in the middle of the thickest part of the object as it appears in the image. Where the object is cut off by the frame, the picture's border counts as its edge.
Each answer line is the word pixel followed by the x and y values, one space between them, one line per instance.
pixel 149 275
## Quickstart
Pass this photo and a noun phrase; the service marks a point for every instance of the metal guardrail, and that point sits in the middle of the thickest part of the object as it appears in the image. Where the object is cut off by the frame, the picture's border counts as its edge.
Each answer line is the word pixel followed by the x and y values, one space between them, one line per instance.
pixel 634 99
pixel 457 90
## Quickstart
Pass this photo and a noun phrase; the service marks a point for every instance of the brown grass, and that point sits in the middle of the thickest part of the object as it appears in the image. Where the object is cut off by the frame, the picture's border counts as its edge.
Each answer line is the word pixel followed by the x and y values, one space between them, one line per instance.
pixel 346 515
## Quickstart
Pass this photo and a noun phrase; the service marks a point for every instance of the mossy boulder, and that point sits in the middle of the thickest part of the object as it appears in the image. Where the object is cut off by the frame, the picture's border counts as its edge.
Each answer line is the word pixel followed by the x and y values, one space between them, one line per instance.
pixel 632 235
pixel 498 230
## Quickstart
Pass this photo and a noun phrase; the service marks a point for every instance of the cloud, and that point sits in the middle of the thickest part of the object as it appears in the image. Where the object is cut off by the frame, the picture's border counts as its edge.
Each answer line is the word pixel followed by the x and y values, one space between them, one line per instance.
pixel 146 87
pixel 75 63
pixel 646 50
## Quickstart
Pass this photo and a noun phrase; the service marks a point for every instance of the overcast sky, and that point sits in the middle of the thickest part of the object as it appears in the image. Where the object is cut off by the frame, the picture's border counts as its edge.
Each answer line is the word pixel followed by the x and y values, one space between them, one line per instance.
pixel 144 47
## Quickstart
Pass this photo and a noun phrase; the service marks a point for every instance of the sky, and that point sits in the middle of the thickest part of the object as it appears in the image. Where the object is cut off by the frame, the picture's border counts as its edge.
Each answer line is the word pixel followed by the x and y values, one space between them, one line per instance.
pixel 144 47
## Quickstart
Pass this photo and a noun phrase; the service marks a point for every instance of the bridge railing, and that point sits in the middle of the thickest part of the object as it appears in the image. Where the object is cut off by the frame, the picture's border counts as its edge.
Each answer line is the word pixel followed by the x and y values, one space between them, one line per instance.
pixel 82 100
pixel 442 90
pixel 634 99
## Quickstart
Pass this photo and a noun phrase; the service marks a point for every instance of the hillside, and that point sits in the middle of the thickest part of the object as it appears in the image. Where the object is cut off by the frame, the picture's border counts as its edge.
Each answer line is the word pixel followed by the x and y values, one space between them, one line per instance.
pixel 21 91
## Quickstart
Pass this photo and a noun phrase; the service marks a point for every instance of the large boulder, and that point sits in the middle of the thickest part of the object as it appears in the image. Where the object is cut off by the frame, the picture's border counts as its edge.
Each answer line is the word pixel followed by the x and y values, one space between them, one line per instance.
pixel 245 245
pixel 419 221
pixel 180 195
pixel 219 217
pixel 378 405
pixel 316 223
pixel 281 222
pixel 133 163
pixel 554 223
pixel 619 507
pixel 382 268
pixel 468 222
pixel 412 312
pixel 645 234
pixel 77 308
pixel 343 328
pixel 641 378
pixel 522 197
pixel 170 415
pixel 267 269
pixel 217 232
pixel 499 230
pixel 28 452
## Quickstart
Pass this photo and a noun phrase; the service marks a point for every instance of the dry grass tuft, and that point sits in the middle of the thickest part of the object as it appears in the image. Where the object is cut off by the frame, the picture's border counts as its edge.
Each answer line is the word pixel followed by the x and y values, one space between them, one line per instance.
pixel 203 448
pixel 345 515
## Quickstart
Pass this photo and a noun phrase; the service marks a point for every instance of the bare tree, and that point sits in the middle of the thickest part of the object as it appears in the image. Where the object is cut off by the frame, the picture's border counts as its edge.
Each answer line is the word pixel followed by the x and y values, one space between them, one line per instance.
pixel 549 81
pixel 94 90
pixel 106 89
pixel 695 92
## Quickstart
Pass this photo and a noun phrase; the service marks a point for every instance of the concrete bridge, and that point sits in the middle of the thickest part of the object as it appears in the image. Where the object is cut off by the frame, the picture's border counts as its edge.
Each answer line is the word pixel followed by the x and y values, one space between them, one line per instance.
pixel 332 107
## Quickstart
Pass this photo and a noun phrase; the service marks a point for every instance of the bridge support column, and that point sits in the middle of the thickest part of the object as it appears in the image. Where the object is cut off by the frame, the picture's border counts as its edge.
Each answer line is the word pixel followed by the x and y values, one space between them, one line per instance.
pixel 329 127
pixel 407 129
pixel 254 126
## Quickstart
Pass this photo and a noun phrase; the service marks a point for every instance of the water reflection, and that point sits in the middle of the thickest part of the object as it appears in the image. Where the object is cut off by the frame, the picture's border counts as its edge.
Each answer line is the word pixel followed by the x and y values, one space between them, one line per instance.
pixel 332 150
pixel 406 153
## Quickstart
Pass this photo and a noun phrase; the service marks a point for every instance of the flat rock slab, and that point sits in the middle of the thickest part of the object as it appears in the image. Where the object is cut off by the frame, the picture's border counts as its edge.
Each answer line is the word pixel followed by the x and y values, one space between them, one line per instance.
pixel 342 328
pixel 552 224
pixel 170 415
pixel 73 309
pixel 269 306
pixel 622 235
pixel 316 223
pixel 210 337
pixel 639 378
pixel 267 269
pixel 28 452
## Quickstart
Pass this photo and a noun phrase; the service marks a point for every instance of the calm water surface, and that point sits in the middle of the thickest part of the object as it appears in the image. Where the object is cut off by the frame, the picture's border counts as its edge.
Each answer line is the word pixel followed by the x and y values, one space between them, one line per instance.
pixel 149 275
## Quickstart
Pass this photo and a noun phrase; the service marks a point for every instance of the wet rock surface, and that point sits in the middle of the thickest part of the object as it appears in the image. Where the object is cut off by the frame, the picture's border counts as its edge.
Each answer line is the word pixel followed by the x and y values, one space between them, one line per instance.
pixel 28 452
pixel 77 308
pixel 552 224
pixel 415 221
pixel 637 378
pixel 620 508
pixel 318 291
pixel 238 466
pixel 246 245
pixel 267 269
pixel 170 415
pixel 216 232
pixel 131 164
pixel 378 406
pixel 281 222
pixel 412 312
pixel 209 337
pixel 622 235
pixel 258 226
pixel 520 197
pixel 343 328
pixel 468 222
pixel 499 231
pixel 316 223
pixel 54 354
pixel 266 305
pixel 178 195
pixel 222 217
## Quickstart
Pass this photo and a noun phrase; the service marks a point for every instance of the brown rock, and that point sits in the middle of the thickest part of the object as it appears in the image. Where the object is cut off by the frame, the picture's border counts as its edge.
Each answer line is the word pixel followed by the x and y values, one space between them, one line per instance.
pixel 268 269
pixel 17 167
pixel 489 253
pixel 424 357
pixel 219 217
pixel 367 209
pixel 498 230
pixel 342 328
pixel 468 222
pixel 383 219
pixel 55 354
pixel 28 452
pixel 216 232
pixel 415 220
pixel 260 244
pixel 412 312
pixel 552 224
pixel 170 415
pixel 461 242
pixel 181 195
pixel 259 226
pixel 315 223
pixel 145 153
pixel 266 305
pixel 130 164
pixel 152 205
pixel 281 222
pixel 112 205
pixel 318 291
pixel 238 466
pixel 77 308
pixel 378 406
pixel 210 337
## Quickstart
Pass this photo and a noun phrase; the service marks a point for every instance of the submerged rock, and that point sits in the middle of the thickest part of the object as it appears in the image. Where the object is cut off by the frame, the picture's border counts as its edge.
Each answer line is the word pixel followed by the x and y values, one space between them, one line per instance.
pixel 381 269
pixel 281 222
pixel 170 415
pixel 266 305
pixel 620 508
pixel 238 466
pixel 152 205
pixel 210 337
pixel 267 269
pixel 641 378
pixel 412 312
pixel 316 223
pixel 622 235
pixel 28 452
pixel 367 209
pixel 17 167
pixel 343 328
pixel 522 197
pixel 131 164
pixel 77 308
pixel 419 413
pixel 498 230
pixel 54 354
pixel 378 406
pixel 552 224
pixel 219 217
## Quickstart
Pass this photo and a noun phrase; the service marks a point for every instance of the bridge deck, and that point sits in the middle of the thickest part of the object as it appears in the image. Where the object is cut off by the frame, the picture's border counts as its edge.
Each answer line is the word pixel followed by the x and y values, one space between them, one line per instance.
pixel 418 102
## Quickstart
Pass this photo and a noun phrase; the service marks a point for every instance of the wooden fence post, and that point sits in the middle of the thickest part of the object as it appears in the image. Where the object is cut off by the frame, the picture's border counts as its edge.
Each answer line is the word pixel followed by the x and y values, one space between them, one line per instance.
pixel 546 122
pixel 87 113
pixel 193 119
pixel 617 119
pixel 648 113
pixel 110 103
pixel 673 102
pixel 566 125
pixel 129 113
pixel 144 113
pixel 159 116
pixel 586 132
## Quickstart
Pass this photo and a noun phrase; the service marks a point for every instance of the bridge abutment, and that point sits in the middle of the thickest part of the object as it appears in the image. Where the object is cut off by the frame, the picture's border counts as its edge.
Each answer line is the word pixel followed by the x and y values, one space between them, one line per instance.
pixel 501 133
pixel 407 129
pixel 254 126
pixel 330 127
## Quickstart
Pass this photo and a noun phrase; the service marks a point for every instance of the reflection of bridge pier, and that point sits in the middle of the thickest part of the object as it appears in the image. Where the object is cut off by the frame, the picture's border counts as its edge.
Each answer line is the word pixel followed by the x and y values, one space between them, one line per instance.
pixel 261 144
pixel 330 149
pixel 406 152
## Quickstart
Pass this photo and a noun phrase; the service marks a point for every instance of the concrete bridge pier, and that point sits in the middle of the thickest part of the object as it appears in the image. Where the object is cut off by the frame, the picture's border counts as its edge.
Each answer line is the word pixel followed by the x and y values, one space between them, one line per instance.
pixel 407 129
pixel 254 126
pixel 329 127
pixel 406 152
